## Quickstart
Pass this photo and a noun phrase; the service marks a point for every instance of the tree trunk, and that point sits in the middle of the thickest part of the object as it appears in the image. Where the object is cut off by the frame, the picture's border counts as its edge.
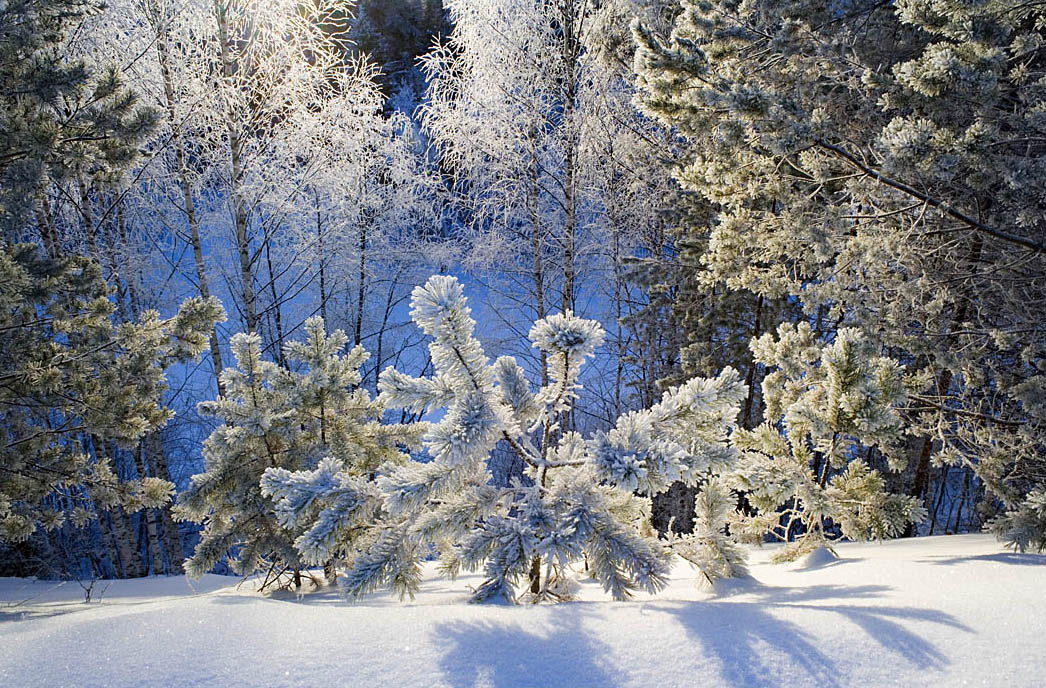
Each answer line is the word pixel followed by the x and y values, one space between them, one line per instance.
pixel 45 225
pixel 152 529
pixel 940 499
pixel 962 498
pixel 922 468
pixel 536 244
pixel 569 230
pixel 109 540
pixel 379 353
pixel 746 416
pixel 172 540
pixel 276 314
pixel 618 312
pixel 570 53
pixel 361 291
pixel 250 308
pixel 535 575
pixel 187 194
pixel 322 262
pixel 127 543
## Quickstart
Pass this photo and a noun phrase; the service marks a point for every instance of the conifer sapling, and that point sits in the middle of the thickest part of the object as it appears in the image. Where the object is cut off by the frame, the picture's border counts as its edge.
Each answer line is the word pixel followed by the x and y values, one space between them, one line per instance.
pixel 806 471
pixel 285 483
pixel 577 500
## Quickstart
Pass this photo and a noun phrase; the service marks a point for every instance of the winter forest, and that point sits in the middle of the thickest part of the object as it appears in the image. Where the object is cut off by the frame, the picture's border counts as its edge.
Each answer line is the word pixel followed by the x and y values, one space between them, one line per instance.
pixel 690 303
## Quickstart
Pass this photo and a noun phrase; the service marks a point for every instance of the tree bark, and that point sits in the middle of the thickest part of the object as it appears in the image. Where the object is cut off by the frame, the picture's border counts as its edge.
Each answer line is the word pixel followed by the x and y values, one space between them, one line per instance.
pixel 187 193
pixel 109 540
pixel 127 543
pixel 172 540
pixel 322 261
pixel 152 528
pixel 570 54
pixel 536 246
pixel 618 312
pixel 250 308
pixel 361 292
pixel 45 225
pixel 746 417
pixel 276 313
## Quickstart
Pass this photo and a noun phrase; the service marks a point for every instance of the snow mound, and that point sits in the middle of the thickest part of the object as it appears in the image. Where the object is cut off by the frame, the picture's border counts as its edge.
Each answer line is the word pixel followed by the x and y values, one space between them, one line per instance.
pixel 819 558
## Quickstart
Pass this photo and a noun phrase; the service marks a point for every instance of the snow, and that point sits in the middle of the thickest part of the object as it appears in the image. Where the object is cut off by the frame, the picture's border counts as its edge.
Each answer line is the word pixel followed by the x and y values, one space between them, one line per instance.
pixel 940 611
pixel 819 558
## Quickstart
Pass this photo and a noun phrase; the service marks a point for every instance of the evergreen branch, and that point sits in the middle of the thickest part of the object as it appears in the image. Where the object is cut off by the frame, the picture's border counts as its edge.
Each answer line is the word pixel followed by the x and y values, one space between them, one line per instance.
pixel 44 433
pixel 973 223
pixel 967 414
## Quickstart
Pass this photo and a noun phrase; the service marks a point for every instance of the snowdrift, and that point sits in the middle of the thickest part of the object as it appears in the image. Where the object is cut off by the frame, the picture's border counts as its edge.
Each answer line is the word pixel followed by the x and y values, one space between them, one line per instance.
pixel 941 611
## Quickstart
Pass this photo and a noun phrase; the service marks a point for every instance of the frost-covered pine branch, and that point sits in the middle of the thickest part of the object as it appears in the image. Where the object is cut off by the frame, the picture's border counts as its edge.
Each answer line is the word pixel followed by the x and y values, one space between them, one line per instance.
pixel 709 548
pixel 1023 526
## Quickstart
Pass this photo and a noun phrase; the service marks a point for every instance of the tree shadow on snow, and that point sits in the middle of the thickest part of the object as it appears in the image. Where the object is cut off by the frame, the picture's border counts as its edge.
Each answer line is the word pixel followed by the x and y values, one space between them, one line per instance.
pixel 1014 558
pixel 322 594
pixel 750 586
pixel 508 655
pixel 750 640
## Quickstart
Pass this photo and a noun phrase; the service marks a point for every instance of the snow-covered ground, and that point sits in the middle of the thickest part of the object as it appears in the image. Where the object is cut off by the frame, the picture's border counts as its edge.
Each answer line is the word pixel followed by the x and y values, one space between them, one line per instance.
pixel 942 611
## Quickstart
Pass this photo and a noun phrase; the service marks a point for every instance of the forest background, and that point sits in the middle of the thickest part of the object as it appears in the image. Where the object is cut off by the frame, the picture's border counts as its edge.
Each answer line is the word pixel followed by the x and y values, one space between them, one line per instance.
pixel 692 175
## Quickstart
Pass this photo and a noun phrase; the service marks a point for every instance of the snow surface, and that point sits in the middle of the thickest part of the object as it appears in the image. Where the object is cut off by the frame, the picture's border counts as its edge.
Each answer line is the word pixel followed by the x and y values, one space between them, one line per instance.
pixel 941 611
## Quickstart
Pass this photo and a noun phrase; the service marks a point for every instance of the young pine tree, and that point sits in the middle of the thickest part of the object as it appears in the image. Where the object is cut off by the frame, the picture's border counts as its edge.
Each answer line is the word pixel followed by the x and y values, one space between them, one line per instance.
pixel 336 507
pixel 278 423
pixel 578 498
pixel 710 548
pixel 807 472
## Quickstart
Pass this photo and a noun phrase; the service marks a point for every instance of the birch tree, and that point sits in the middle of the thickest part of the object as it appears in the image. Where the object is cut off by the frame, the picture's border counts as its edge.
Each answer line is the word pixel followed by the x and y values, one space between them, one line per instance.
pixel 504 110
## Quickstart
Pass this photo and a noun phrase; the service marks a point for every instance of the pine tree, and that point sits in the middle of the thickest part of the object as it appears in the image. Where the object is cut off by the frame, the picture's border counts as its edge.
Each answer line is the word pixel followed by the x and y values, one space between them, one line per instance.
pixel 336 507
pixel 805 470
pixel 60 119
pixel 710 548
pixel 287 436
pixel 73 383
pixel 577 499
pixel 880 166
pixel 258 430
pixel 69 132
